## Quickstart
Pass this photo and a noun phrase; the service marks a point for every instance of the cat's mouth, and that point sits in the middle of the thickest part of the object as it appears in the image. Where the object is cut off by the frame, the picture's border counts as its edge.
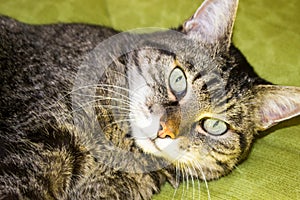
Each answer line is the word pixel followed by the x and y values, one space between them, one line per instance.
pixel 157 137
pixel 155 145
pixel 167 148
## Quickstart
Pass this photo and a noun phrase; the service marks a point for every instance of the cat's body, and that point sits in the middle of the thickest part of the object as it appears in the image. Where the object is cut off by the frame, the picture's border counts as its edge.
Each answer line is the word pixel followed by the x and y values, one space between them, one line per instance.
pixel 51 147
pixel 46 157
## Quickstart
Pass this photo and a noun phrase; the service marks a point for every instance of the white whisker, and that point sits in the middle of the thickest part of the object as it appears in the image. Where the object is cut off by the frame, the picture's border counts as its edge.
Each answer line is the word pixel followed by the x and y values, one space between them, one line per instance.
pixel 102 86
pixel 89 103
pixel 187 181
pixel 238 169
pixel 93 86
pixel 193 183
pixel 98 97
pixel 204 178
pixel 183 179
pixel 198 182
pixel 177 173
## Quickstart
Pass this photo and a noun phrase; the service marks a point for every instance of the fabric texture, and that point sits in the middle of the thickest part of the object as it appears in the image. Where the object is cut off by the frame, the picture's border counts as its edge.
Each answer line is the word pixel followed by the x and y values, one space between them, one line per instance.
pixel 266 31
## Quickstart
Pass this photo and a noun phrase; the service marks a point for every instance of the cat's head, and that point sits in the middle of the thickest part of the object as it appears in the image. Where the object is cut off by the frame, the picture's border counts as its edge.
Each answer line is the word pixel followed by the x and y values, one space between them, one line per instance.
pixel 201 106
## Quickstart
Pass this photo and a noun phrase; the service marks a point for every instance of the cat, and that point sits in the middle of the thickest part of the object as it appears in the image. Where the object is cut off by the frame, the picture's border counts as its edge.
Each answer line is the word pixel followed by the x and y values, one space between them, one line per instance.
pixel 88 112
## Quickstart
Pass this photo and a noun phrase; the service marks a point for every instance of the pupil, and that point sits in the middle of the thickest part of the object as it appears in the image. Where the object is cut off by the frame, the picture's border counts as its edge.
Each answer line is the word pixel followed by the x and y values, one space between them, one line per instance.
pixel 178 79
pixel 216 124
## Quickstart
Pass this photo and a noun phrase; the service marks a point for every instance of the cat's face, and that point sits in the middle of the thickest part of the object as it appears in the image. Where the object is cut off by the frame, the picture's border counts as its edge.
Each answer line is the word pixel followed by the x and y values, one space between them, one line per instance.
pixel 183 109
pixel 200 107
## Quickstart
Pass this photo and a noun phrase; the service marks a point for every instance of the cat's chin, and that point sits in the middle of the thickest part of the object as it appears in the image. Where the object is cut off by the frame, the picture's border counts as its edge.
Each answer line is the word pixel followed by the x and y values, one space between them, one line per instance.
pixel 166 148
pixel 148 146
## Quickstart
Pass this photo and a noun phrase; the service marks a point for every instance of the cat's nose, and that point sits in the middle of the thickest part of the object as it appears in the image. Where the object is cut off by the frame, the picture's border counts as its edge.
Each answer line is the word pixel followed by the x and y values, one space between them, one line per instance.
pixel 166 131
pixel 169 123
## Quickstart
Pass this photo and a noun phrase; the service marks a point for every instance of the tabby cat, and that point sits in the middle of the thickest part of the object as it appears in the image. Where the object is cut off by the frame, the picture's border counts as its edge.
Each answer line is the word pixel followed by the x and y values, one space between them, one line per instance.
pixel 88 112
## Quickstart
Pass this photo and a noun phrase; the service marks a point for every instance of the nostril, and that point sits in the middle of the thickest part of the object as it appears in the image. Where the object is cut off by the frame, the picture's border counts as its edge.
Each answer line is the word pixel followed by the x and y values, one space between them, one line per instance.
pixel 161 131
pixel 160 127
pixel 168 136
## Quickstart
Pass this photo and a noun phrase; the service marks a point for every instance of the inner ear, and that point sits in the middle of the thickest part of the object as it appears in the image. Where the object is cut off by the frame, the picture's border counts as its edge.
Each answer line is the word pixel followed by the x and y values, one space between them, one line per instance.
pixel 276 104
pixel 213 21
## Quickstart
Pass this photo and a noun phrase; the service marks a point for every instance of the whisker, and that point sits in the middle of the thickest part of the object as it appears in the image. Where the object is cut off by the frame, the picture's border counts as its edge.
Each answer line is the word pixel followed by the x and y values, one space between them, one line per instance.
pixel 131 101
pixel 183 178
pixel 198 182
pixel 238 169
pixel 104 106
pixel 177 173
pixel 187 181
pixel 108 90
pixel 193 183
pixel 204 179
pixel 91 86
pixel 99 98
pixel 197 178
pixel 102 86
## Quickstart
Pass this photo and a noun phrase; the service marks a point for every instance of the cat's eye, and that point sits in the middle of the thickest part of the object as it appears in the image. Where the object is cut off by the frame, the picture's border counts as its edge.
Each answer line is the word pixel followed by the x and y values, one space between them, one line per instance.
pixel 214 126
pixel 177 82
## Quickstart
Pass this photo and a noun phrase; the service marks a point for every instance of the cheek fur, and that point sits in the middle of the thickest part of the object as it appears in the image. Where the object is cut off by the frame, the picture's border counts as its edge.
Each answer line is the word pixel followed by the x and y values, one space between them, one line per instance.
pixel 209 155
pixel 143 122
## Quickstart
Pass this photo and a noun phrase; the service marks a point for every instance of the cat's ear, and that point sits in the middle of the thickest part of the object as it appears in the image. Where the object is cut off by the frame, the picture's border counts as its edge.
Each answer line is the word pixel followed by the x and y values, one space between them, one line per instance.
pixel 213 21
pixel 275 104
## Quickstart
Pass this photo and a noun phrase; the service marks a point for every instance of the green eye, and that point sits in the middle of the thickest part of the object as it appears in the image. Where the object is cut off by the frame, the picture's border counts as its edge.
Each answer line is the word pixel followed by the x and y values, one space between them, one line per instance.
pixel 214 126
pixel 177 82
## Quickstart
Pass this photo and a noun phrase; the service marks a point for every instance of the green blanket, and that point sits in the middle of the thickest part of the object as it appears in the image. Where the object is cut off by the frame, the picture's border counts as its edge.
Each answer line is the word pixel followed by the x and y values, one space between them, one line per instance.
pixel 267 32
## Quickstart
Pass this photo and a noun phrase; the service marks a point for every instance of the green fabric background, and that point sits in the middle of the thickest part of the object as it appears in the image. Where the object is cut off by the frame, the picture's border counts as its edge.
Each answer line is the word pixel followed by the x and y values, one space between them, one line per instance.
pixel 267 32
